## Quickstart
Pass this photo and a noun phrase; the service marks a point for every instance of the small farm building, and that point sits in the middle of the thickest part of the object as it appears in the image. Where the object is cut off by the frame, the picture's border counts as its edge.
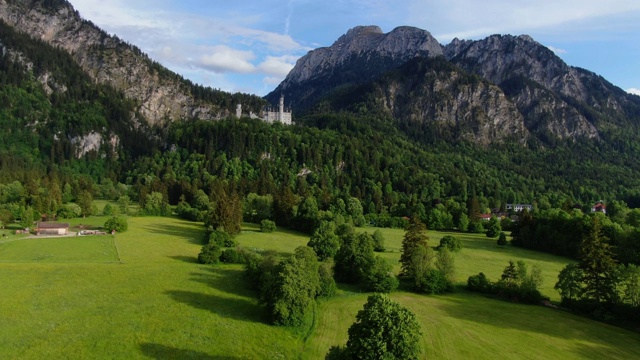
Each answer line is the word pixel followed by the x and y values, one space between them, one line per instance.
pixel 51 228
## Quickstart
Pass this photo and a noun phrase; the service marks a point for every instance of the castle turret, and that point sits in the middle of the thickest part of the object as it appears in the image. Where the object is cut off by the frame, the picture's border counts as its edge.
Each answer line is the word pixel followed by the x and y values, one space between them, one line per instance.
pixel 239 111
pixel 281 112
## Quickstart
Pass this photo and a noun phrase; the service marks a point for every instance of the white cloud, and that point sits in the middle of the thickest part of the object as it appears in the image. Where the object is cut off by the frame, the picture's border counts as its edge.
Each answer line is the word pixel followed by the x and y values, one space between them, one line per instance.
pixel 272 81
pixel 278 66
pixel 223 59
pixel 634 91
pixel 556 50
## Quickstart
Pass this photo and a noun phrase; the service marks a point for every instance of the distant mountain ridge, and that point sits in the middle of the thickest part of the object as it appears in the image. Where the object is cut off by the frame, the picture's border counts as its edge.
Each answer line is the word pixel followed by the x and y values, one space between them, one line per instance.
pixel 526 90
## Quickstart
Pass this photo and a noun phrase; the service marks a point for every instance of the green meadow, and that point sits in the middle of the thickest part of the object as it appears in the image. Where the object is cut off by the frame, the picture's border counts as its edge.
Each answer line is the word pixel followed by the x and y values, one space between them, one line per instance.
pixel 141 294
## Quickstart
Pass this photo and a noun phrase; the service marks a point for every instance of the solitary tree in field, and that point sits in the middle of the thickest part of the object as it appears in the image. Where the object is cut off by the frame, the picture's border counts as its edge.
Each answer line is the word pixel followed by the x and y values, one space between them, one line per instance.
pixel 383 330
pixel 598 266
pixel 415 236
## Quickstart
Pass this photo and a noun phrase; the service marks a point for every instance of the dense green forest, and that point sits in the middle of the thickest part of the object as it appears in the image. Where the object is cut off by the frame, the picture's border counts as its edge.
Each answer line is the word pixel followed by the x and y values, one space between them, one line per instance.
pixel 49 105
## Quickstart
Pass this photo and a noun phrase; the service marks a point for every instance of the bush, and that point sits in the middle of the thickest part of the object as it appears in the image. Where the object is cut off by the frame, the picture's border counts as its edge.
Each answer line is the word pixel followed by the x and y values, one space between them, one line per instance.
pixel 479 283
pixel 210 254
pixel 116 223
pixel 502 239
pixel 232 256
pixel 433 282
pixel 267 226
pixel 70 211
pixel 450 242
pixel 380 278
pixel 327 286
pixel 109 210
pixel 476 227
pixel 222 239
pixel 378 241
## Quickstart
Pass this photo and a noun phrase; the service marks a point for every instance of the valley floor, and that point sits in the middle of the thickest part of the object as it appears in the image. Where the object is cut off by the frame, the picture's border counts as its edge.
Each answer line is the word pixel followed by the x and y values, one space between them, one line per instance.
pixel 141 294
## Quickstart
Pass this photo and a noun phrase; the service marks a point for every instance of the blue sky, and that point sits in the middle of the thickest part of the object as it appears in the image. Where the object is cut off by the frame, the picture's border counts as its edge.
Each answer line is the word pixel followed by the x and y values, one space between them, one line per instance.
pixel 250 46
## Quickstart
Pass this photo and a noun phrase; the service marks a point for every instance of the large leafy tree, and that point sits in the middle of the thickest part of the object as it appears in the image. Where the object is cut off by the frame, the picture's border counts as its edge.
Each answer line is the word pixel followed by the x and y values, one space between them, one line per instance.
pixel 355 258
pixel 569 283
pixel 294 288
pixel 324 240
pixel 383 330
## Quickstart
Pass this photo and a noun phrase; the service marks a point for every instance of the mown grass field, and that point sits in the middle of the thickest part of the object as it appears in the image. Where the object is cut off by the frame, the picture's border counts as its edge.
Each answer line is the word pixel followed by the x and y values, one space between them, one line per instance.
pixel 158 303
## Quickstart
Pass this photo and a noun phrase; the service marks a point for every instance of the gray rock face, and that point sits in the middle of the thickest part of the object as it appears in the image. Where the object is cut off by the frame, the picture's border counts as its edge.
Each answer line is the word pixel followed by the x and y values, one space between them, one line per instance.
pixel 475 111
pixel 545 89
pixel 108 60
pixel 399 45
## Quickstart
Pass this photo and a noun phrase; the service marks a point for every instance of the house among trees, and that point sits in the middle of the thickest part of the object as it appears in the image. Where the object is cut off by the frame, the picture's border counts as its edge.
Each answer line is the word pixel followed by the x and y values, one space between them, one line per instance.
pixel 51 228
pixel 599 207
pixel 519 207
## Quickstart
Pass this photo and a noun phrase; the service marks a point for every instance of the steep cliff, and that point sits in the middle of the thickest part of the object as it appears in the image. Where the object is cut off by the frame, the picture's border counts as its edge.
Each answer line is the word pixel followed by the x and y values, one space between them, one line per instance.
pixel 556 99
pixel 357 57
pixel 160 93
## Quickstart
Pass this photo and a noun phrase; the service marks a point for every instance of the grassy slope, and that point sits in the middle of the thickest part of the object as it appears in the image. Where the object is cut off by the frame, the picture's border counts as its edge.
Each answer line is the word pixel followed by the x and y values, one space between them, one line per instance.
pixel 158 303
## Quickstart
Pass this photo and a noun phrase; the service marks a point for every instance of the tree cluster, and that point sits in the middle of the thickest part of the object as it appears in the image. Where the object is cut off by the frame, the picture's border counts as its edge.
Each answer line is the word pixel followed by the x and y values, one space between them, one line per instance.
pixel 516 284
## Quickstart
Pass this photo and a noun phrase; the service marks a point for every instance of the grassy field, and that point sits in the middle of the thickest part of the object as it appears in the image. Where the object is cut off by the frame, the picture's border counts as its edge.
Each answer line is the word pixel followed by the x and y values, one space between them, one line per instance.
pixel 158 303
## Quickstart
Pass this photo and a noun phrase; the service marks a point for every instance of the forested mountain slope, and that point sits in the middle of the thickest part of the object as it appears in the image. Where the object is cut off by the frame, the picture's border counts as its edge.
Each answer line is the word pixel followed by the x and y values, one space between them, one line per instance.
pixel 158 93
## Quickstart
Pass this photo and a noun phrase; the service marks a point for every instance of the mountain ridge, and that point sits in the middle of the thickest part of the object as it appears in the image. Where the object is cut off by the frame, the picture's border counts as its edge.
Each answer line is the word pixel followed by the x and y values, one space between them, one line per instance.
pixel 554 101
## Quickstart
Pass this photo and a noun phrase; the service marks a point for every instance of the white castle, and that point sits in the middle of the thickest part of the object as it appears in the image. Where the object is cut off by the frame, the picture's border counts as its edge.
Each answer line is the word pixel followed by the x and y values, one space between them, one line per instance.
pixel 270 114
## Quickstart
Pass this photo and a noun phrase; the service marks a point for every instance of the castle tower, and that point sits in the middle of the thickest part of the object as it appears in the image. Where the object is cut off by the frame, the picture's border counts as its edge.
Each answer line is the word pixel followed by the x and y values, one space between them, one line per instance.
pixel 239 111
pixel 281 112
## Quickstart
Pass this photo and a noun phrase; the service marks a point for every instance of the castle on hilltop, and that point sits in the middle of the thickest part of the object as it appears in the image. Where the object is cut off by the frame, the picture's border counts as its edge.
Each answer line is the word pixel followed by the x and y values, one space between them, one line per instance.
pixel 270 114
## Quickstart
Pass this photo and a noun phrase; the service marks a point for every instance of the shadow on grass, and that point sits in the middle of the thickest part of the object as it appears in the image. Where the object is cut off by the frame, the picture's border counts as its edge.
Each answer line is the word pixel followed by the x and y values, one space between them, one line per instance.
pixel 157 351
pixel 226 307
pixel 190 233
pixel 187 259
pixel 230 280
pixel 474 307
pixel 490 244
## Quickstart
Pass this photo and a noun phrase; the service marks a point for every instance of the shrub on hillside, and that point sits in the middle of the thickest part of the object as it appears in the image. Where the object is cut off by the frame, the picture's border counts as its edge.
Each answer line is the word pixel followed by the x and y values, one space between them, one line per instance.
pixel 380 277
pixel 450 242
pixel 502 239
pixel 210 254
pixel 232 256
pixel 109 210
pixel 433 282
pixel 117 223
pixel 328 286
pixel 267 226
pixel 476 227
pixel 479 283
pixel 70 211
pixel 222 239
pixel 378 241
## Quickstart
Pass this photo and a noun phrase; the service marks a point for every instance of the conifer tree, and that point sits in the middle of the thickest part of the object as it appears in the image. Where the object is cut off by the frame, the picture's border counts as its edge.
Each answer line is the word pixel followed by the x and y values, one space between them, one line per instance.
pixel 414 237
pixel 598 266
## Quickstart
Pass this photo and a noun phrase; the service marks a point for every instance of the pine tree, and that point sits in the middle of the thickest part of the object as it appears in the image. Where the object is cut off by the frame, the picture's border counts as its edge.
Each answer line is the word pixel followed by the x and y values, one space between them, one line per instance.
pixel 414 237
pixel 598 266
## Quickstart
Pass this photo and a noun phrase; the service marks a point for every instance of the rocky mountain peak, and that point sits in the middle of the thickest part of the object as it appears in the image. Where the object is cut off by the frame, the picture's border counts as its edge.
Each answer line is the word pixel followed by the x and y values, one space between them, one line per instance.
pixel 361 54
pixel 370 30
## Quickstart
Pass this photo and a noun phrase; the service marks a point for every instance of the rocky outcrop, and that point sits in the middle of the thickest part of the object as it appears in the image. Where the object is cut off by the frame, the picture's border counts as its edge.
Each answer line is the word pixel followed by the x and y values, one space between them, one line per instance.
pixel 520 89
pixel 160 94
pixel 359 56
pixel 555 98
